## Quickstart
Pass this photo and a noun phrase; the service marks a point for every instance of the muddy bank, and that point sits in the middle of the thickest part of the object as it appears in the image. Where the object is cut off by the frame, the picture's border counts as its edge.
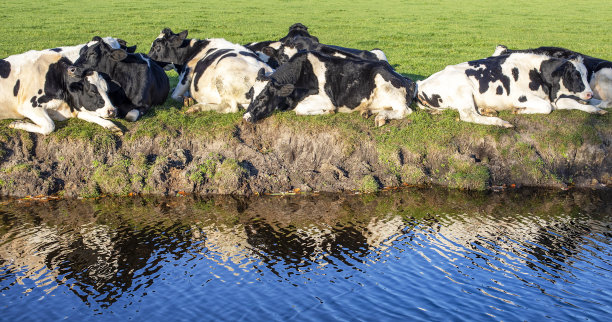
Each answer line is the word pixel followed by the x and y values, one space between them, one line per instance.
pixel 168 153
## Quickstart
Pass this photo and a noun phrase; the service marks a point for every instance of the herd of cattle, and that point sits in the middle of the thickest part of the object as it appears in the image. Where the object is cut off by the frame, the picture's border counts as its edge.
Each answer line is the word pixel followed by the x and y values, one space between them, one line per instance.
pixel 105 78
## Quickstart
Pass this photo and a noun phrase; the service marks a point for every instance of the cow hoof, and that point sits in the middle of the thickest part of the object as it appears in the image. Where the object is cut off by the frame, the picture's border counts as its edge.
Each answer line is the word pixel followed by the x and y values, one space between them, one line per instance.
pixel 117 131
pixel 380 122
pixel 188 101
pixel 365 114
pixel 507 125
pixel 602 112
pixel 192 110
pixel 132 115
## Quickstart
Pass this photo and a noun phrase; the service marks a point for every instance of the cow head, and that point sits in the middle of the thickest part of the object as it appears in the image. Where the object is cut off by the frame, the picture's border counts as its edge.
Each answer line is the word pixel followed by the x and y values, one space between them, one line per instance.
pixel 169 47
pixel 566 78
pixel 92 56
pixel 88 90
pixel 266 95
pixel 298 30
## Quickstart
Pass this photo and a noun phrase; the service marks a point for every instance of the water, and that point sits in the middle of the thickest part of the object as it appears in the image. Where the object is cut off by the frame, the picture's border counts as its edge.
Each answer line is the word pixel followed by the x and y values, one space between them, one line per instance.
pixel 409 255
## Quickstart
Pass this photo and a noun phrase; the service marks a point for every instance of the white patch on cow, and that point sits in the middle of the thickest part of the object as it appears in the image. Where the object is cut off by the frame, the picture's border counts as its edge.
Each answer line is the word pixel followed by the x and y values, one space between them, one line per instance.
pixel 337 54
pixel 289 51
pixel 224 84
pixel 379 54
pixel 258 86
pixel 601 84
pixel 500 49
pixel 72 52
pixel 145 58
pixel 276 45
pixel 100 83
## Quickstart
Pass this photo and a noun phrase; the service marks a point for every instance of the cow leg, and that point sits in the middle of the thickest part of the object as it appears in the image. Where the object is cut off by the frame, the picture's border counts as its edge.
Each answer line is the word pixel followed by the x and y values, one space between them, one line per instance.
pixel 43 124
pixel 396 113
pixel 93 118
pixel 315 105
pixel 203 107
pixel 534 105
pixel 600 104
pixel 182 87
pixel 571 104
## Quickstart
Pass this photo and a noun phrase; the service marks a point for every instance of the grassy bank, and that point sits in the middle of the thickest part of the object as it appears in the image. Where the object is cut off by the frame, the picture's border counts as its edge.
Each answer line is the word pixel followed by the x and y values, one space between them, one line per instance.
pixel 419 38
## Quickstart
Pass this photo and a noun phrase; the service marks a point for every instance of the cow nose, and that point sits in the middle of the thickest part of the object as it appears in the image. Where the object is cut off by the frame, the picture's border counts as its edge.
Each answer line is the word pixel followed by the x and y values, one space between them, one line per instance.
pixel 588 95
pixel 112 113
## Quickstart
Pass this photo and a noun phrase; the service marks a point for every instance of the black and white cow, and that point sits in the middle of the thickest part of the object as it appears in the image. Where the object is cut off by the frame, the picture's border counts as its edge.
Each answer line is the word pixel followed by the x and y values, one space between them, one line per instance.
pixel 294 45
pixel 312 83
pixel 73 52
pixel 42 86
pixel 525 83
pixel 145 83
pixel 599 70
pixel 217 73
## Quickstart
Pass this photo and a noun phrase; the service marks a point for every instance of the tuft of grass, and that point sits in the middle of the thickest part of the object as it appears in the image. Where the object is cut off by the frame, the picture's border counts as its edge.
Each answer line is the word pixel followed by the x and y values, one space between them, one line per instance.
pixel 113 178
pixel 369 184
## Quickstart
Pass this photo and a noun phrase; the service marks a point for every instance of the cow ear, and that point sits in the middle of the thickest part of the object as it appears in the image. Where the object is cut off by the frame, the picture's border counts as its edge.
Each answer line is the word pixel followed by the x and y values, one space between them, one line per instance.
pixel 75 87
pixel 286 90
pixel 183 34
pixel 83 50
pixel 577 59
pixel 261 75
pixel 122 42
pixel 269 51
pixel 118 54
pixel 96 38
pixel 131 49
pixel 167 31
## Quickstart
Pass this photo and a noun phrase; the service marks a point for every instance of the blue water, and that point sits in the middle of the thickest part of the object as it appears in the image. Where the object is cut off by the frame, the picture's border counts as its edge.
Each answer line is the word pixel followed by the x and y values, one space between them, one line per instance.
pixel 410 255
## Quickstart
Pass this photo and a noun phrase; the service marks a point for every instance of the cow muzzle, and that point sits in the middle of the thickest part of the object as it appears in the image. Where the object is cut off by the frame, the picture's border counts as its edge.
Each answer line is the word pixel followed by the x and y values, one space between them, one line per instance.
pixel 587 96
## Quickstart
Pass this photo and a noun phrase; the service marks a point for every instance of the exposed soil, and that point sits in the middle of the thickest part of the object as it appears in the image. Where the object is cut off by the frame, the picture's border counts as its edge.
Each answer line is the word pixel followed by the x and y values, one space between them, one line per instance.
pixel 272 157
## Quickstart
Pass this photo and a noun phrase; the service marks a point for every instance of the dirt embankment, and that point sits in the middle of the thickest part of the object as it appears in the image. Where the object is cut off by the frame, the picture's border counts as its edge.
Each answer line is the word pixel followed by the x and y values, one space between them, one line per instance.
pixel 284 153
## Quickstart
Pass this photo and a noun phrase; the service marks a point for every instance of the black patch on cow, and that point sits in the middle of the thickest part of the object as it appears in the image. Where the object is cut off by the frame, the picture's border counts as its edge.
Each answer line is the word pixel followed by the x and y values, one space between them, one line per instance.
pixel 203 64
pixel 33 101
pixel 227 56
pixel 39 91
pixel 249 54
pixel 522 99
pixel 57 50
pixel 499 90
pixel 16 88
pixel 515 73
pixel 487 71
pixel 536 81
pixel 602 65
pixel 184 80
pixel 434 101
pixel 5 68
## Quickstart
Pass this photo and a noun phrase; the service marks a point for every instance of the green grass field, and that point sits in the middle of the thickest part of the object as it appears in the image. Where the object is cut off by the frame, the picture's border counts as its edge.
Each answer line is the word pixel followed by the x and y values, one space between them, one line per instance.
pixel 419 37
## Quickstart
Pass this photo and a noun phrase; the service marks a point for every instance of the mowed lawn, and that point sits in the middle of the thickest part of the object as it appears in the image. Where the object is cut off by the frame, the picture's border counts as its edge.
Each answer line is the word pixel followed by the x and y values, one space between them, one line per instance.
pixel 419 37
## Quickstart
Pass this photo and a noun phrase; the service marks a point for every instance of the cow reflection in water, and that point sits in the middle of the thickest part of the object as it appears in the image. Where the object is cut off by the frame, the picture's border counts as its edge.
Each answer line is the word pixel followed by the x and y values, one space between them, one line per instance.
pixel 102 255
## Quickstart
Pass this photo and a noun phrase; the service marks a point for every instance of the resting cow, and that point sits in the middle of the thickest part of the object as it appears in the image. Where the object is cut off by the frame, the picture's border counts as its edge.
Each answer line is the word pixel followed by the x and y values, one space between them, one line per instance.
pixel 217 73
pixel 42 86
pixel 525 83
pixel 145 83
pixel 296 44
pixel 599 70
pixel 311 83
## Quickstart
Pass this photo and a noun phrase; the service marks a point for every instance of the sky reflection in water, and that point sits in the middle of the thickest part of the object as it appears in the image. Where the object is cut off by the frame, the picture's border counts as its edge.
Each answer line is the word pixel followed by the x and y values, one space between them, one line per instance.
pixel 422 254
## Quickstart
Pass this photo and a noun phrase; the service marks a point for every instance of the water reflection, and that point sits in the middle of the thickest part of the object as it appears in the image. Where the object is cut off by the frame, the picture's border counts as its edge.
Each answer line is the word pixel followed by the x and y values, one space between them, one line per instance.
pixel 495 245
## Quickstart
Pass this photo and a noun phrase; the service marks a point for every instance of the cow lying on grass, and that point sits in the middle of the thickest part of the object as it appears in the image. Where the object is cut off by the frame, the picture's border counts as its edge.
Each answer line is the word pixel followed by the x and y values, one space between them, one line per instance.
pixel 144 82
pixel 43 86
pixel 216 72
pixel 599 71
pixel 522 82
pixel 311 83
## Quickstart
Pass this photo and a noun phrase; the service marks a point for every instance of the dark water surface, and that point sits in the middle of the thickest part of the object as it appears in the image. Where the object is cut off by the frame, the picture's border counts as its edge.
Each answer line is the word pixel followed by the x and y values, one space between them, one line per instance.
pixel 409 255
